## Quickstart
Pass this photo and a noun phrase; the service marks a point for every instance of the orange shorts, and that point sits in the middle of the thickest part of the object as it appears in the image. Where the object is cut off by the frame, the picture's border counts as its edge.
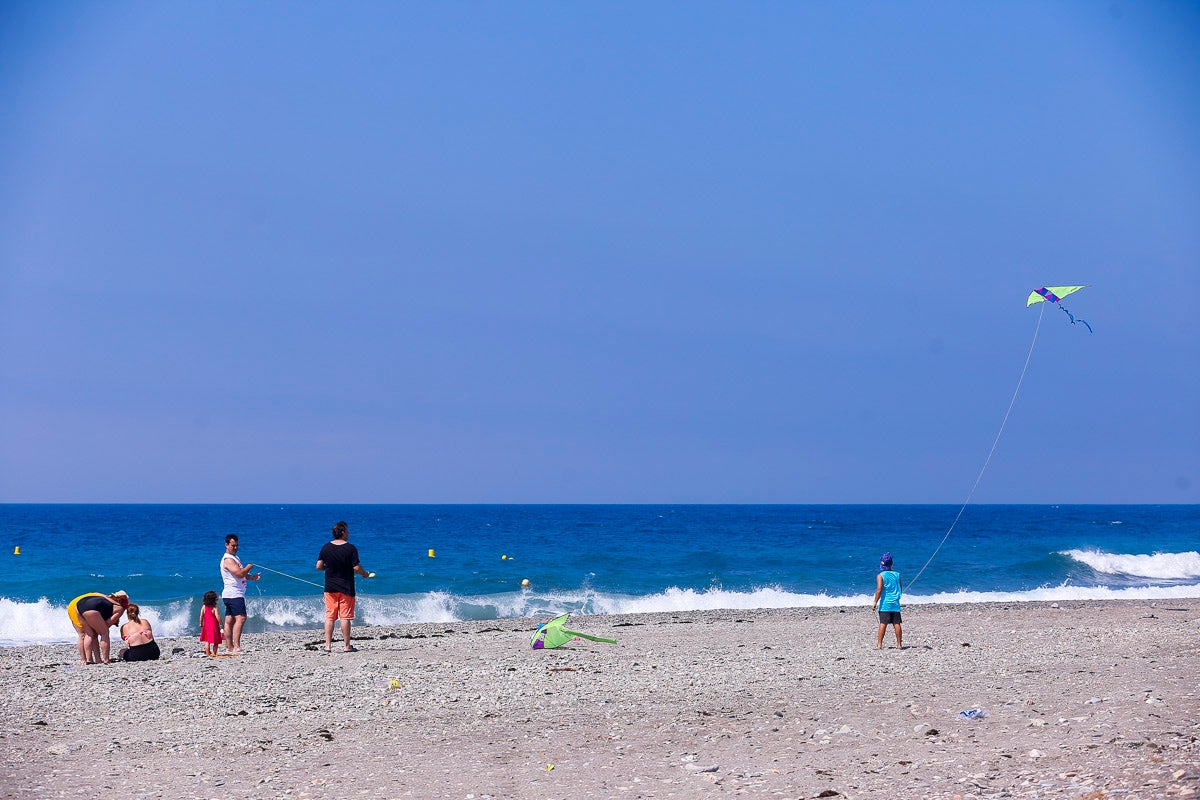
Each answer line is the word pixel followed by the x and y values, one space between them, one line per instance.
pixel 339 606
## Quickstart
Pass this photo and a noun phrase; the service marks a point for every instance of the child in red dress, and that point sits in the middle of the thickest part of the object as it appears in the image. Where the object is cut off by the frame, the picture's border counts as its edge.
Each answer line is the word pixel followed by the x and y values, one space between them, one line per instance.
pixel 210 624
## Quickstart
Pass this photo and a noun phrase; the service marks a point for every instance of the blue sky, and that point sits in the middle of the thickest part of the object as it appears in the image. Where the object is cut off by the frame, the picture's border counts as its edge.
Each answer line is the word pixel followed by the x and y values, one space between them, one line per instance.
pixel 674 252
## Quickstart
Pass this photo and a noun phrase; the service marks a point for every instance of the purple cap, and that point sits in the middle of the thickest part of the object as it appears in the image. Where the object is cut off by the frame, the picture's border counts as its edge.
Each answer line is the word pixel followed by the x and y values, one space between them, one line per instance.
pixel 885 561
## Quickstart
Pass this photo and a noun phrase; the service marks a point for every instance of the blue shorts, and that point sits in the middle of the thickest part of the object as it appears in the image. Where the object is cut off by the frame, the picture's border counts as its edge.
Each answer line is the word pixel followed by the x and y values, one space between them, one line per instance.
pixel 235 606
pixel 885 617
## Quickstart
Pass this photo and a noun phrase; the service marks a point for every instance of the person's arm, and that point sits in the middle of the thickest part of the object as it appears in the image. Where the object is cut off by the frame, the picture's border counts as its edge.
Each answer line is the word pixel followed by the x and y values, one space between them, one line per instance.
pixel 240 572
pixel 320 565
pixel 118 610
pixel 878 591
pixel 359 569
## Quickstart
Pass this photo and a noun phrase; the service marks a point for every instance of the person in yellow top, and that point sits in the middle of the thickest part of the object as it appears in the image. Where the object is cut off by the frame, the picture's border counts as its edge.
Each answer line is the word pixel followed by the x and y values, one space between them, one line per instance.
pixel 93 614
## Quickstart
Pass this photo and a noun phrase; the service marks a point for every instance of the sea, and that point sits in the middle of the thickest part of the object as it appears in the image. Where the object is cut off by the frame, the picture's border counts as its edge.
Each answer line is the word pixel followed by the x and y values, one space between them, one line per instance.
pixel 446 563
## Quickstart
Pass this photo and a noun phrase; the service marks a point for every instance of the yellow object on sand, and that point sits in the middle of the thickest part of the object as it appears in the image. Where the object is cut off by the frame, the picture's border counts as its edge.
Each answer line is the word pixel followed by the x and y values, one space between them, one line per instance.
pixel 73 610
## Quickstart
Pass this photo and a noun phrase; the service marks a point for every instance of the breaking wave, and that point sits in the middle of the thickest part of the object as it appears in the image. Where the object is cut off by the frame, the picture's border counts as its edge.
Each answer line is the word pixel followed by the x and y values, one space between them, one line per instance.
pixel 41 622
pixel 1156 566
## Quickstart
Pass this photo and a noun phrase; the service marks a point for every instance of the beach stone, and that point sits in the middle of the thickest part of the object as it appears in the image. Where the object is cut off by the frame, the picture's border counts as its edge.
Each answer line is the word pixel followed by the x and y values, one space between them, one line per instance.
pixel 606 722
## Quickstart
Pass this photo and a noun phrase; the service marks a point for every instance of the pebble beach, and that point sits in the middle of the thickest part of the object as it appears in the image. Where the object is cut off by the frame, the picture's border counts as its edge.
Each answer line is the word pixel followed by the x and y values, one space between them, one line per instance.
pixel 1097 699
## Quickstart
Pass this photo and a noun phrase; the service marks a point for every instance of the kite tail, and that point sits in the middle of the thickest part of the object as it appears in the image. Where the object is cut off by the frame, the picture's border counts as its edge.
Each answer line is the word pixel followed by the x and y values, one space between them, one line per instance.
pixel 1073 320
pixel 589 636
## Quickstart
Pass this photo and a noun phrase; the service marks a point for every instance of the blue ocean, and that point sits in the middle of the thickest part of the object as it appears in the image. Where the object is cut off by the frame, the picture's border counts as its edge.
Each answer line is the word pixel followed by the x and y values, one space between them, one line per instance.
pixel 469 562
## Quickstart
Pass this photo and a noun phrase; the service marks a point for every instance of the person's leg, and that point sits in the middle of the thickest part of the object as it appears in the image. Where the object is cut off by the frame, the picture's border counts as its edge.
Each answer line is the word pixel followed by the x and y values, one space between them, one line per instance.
pixel 899 636
pixel 331 615
pixel 329 634
pixel 104 645
pixel 346 613
pixel 879 640
pixel 227 631
pixel 82 644
pixel 94 626
pixel 238 622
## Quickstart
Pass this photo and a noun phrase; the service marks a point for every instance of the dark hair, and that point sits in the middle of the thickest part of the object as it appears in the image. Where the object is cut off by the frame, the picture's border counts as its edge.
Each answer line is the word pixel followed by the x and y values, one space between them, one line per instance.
pixel 340 530
pixel 133 612
pixel 210 598
pixel 230 537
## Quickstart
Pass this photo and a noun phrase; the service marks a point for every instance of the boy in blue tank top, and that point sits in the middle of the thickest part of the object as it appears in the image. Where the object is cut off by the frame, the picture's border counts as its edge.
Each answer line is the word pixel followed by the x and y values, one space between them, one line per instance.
pixel 889 587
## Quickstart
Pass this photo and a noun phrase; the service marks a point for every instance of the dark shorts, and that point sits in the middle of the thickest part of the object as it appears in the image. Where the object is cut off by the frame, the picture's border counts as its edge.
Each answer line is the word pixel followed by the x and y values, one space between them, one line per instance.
pixel 235 606
pixel 889 617
pixel 143 652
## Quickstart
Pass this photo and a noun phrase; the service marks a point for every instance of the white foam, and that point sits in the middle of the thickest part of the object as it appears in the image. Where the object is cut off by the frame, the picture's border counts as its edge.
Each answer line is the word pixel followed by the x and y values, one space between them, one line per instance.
pixel 289 612
pixel 307 612
pixel 404 609
pixel 44 623
pixel 1064 592
pixel 175 619
pixel 675 599
pixel 33 623
pixel 1158 566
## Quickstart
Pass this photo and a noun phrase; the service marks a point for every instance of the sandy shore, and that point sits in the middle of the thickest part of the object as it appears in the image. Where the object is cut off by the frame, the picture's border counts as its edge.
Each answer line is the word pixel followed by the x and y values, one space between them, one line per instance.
pixel 1087 700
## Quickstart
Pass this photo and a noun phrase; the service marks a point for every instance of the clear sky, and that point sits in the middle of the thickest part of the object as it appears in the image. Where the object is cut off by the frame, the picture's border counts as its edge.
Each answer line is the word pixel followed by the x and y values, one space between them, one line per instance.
pixel 598 252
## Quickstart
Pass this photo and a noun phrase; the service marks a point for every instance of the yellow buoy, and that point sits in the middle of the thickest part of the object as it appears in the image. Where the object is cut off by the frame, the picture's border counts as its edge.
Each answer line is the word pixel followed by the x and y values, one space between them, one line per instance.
pixel 525 582
pixel 504 558
pixel 17 550
pixel 431 552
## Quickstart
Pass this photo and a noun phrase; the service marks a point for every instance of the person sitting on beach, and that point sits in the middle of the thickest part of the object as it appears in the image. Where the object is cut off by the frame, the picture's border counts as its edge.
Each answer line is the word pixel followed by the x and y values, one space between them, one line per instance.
pixel 139 637
pixel 888 586
pixel 92 615
pixel 210 624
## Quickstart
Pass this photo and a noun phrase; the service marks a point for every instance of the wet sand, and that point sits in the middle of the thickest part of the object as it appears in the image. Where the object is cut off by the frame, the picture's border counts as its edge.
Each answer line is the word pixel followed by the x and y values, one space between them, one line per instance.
pixel 1083 700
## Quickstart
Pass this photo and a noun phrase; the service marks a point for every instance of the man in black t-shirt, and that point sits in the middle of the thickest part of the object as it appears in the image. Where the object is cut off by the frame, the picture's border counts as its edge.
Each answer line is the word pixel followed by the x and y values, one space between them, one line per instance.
pixel 339 561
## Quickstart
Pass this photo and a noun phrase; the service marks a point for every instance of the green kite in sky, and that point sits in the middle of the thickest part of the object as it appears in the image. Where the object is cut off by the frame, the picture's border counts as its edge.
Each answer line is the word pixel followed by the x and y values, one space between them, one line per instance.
pixel 1052 294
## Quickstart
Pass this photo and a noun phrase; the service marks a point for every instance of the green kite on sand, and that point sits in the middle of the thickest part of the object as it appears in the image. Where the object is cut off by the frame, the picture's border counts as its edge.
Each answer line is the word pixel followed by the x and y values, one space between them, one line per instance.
pixel 552 634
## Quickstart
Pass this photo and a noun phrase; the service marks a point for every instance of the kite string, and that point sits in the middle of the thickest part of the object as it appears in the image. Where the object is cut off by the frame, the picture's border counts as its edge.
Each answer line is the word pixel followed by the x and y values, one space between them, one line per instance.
pixel 992 452
pixel 293 577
